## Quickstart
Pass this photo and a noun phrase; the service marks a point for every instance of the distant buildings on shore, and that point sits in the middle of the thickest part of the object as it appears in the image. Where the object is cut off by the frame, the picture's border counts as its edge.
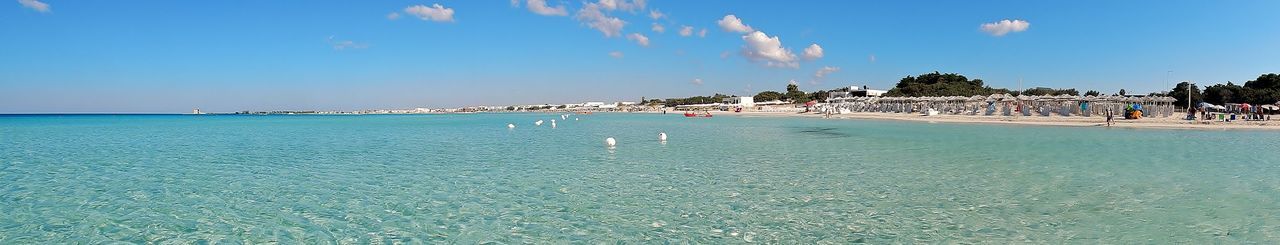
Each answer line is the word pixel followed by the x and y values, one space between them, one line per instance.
pixel 743 102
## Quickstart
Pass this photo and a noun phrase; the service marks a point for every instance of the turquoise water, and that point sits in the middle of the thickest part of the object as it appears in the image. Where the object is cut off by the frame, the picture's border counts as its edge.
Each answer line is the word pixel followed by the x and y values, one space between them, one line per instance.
pixel 469 179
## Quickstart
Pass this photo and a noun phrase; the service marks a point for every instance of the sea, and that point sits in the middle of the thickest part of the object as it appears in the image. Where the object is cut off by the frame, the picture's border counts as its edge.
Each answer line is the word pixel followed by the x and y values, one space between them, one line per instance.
pixel 470 179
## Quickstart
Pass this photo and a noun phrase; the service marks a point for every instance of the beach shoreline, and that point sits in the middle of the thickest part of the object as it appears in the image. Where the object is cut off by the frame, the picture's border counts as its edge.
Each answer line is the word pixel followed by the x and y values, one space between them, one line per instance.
pixel 1075 121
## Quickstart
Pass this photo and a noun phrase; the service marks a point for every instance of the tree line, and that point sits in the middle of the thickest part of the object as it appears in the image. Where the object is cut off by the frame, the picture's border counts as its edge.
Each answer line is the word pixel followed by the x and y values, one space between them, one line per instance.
pixel 1263 90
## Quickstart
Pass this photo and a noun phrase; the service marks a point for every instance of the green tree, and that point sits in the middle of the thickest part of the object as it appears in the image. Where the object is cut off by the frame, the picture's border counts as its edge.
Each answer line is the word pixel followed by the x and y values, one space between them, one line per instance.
pixel 767 96
pixel 1179 92
pixel 1092 93
pixel 939 84
pixel 1121 92
pixel 794 94
pixel 820 95
pixel 1264 90
pixel 1219 94
pixel 1265 81
pixel 1050 91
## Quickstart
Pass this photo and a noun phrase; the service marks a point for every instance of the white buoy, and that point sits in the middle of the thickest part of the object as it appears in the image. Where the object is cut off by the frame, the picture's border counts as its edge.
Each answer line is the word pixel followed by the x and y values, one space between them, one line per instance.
pixel 610 142
pixel 511 125
pixel 662 136
pixel 575 119
pixel 538 123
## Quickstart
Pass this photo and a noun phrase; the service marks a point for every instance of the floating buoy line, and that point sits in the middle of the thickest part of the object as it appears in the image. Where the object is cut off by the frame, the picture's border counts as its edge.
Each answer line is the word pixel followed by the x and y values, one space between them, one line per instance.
pixel 608 141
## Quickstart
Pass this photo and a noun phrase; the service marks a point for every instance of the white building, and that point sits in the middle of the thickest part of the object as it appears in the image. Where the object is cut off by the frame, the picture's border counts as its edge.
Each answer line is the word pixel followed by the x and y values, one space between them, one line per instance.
pixel 740 101
pixel 856 91
pixel 593 104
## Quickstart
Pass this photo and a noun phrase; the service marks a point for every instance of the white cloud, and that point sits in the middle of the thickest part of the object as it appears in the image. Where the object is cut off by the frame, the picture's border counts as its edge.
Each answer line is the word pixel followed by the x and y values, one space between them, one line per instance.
pixel 725 54
pixel 435 13
pixel 686 31
pixel 393 16
pixel 731 23
pixel 659 28
pixel 813 52
pixel 792 82
pixel 515 3
pixel 655 14
pixel 625 5
pixel 639 38
pixel 762 47
pixel 616 54
pixel 696 81
pixel 345 44
pixel 36 5
pixel 872 58
pixel 593 17
pixel 1000 28
pixel 702 33
pixel 540 7
pixel 824 71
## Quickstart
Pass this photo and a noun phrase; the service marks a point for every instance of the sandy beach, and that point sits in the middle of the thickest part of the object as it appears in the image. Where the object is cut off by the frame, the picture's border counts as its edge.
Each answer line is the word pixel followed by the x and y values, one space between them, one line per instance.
pixel 1075 121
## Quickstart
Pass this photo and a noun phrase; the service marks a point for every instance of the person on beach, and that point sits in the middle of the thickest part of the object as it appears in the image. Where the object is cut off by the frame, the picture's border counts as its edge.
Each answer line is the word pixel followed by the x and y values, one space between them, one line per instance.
pixel 1109 116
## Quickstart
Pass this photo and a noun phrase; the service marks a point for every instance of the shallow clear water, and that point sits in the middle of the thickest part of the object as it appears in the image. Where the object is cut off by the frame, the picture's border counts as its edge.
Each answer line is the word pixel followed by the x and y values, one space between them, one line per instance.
pixel 468 179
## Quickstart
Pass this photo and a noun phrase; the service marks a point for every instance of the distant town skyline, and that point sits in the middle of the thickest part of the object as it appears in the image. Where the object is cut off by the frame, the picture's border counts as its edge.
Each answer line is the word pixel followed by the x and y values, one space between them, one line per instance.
pixel 223 56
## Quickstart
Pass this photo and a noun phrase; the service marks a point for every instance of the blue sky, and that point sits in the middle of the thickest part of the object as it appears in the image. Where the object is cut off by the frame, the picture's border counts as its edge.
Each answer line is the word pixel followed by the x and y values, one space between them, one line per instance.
pixel 171 56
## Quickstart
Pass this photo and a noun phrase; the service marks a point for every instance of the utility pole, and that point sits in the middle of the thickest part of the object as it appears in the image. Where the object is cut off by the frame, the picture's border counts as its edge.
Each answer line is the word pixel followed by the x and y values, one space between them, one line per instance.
pixel 1189 86
pixel 1020 107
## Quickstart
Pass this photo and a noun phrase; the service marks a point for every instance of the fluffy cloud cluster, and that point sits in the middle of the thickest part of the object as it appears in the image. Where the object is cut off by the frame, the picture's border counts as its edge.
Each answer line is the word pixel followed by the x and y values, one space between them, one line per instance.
pixel 655 14
pixel 686 31
pixel 813 52
pixel 761 47
pixel 658 28
pixel 37 5
pixel 731 23
pixel 393 16
pixel 625 5
pixel 1000 28
pixel 540 7
pixel 826 70
pixel 593 16
pixel 639 39
pixel 696 81
pixel 435 13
